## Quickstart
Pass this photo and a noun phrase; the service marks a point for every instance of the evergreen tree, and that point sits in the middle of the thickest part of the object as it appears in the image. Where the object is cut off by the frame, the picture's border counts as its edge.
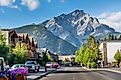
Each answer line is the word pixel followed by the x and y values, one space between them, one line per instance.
pixel 46 58
pixel 117 57
pixel 4 49
pixel 115 38
pixel 112 37
pixel 105 39
pixel 109 37
pixel 119 37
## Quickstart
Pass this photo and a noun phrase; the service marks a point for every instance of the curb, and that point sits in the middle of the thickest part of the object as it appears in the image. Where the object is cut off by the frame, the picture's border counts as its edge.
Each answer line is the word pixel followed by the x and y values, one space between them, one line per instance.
pixel 116 71
pixel 44 75
pixel 111 70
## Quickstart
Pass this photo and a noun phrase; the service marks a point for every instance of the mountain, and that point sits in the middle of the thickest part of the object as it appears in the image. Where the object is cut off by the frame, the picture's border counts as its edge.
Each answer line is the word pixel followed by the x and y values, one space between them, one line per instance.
pixel 67 32
pixel 46 39
pixel 76 26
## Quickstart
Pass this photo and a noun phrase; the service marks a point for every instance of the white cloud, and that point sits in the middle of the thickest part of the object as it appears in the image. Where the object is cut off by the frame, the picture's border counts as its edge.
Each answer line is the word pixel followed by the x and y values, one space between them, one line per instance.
pixel 7 3
pixel 31 4
pixel 62 1
pixel 111 19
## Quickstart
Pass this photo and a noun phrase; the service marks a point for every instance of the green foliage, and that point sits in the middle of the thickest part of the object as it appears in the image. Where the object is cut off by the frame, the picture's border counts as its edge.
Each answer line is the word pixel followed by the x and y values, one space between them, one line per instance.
pixel 88 54
pixel 109 37
pixel 20 52
pixel 46 58
pixel 117 57
pixel 115 38
pixel 105 39
pixel 4 49
pixel 119 37
pixel 112 37
pixel 79 55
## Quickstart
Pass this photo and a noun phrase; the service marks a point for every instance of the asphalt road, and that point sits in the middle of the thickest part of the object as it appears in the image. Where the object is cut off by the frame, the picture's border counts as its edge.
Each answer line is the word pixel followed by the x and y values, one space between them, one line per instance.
pixel 77 73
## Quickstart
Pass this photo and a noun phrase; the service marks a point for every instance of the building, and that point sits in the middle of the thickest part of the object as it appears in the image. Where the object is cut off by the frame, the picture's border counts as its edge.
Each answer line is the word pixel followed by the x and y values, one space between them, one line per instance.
pixel 108 50
pixel 12 38
pixel 31 44
pixel 10 35
pixel 42 51
pixel 67 57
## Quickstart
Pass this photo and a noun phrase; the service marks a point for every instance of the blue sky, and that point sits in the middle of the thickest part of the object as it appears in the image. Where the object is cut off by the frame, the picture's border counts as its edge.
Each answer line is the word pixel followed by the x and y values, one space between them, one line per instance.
pixel 15 13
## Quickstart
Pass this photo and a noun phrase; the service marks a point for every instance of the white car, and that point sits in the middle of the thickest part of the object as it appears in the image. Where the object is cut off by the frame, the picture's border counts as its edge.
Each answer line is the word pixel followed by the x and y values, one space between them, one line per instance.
pixel 18 66
pixel 32 66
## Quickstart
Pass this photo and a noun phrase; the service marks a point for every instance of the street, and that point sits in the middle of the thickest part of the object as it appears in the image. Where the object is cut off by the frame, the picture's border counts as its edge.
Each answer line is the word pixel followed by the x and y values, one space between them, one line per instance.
pixel 41 72
pixel 78 73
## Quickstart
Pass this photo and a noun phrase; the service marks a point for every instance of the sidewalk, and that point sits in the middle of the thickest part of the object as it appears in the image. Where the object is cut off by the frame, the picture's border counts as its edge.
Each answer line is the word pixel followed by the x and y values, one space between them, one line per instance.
pixel 42 73
pixel 117 70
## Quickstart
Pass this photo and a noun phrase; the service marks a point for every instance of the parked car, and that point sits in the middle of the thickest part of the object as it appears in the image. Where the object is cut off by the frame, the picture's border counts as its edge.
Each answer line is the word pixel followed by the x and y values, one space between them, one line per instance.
pixel 67 64
pixel 2 64
pixel 18 69
pixel 55 65
pixel 32 66
pixel 49 64
pixel 18 66
pixel 7 67
pixel 52 65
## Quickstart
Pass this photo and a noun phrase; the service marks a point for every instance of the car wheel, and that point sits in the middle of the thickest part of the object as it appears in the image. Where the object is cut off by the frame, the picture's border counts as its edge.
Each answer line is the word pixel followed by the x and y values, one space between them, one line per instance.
pixel 38 70
pixel 35 70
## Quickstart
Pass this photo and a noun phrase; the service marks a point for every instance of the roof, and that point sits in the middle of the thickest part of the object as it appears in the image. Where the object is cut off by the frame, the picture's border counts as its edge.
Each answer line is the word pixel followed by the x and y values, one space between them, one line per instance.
pixel 21 34
pixel 6 29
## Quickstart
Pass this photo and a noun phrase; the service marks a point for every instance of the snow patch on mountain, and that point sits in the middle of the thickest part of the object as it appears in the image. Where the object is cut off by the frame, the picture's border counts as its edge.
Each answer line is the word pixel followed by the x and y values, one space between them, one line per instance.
pixel 76 26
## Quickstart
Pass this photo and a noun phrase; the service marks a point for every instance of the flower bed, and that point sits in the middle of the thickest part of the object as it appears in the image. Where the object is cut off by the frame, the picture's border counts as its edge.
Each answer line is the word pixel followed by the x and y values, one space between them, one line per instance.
pixel 18 74
pixel 14 74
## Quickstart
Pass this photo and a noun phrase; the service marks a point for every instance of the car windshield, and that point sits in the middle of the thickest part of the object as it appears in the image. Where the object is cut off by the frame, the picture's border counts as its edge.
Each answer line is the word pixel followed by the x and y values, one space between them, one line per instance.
pixel 30 62
pixel 48 62
pixel 15 66
pixel 22 65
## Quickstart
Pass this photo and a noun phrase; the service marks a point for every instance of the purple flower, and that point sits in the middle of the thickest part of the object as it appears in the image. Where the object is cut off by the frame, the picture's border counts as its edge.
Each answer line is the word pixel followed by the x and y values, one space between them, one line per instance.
pixel 19 71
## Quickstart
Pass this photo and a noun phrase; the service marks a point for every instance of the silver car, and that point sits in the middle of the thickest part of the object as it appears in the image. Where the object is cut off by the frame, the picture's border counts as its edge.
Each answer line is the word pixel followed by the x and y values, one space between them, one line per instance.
pixel 32 66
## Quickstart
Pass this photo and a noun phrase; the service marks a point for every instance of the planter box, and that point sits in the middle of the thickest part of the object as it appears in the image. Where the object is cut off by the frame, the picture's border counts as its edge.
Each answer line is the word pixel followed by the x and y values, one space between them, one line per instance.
pixel 20 77
pixel 4 79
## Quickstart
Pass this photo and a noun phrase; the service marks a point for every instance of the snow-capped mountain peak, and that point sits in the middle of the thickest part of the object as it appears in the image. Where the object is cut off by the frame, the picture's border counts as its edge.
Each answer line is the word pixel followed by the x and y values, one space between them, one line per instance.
pixel 66 32
pixel 72 26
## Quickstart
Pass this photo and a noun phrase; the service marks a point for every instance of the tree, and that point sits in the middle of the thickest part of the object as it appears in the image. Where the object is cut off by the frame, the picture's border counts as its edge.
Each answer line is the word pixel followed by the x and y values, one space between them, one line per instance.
pixel 86 57
pixel 109 37
pixel 20 52
pixel 46 58
pixel 80 54
pixel 115 38
pixel 112 37
pixel 89 53
pixel 119 37
pixel 117 57
pixel 105 39
pixel 4 49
